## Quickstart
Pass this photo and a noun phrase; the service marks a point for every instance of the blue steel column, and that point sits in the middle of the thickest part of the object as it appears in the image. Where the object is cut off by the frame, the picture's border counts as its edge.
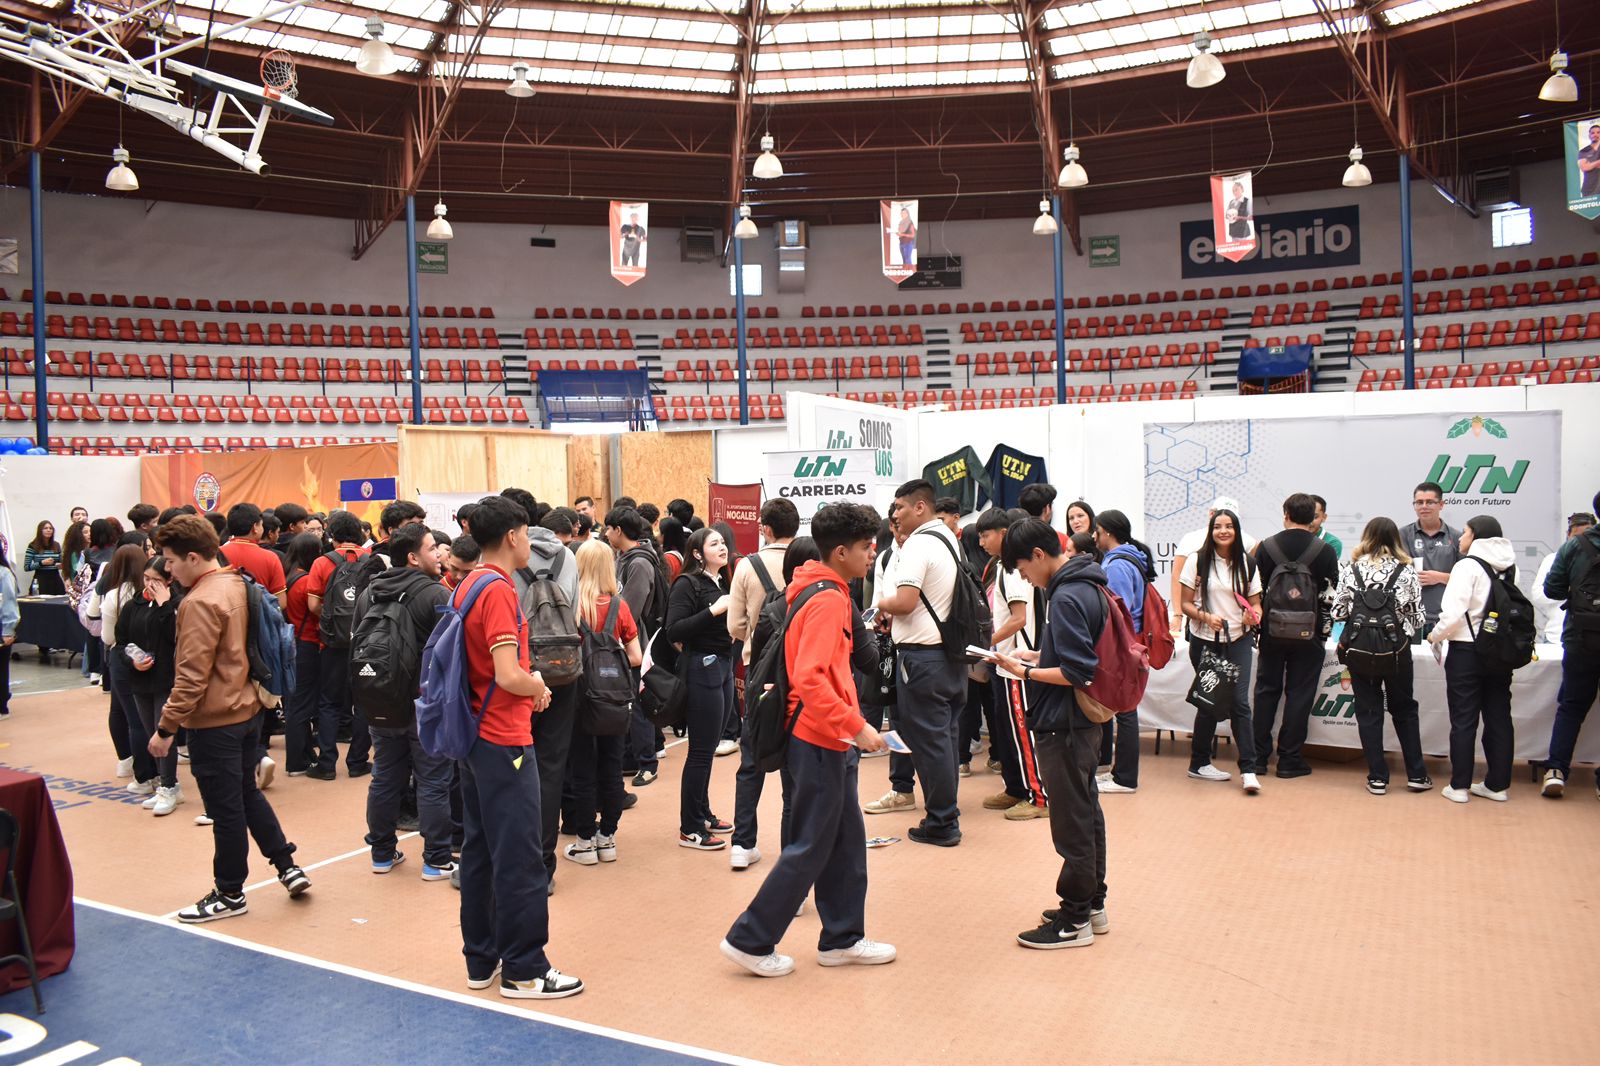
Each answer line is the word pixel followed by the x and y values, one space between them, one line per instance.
pixel 41 385
pixel 738 314
pixel 411 289
pixel 1409 329
pixel 1061 338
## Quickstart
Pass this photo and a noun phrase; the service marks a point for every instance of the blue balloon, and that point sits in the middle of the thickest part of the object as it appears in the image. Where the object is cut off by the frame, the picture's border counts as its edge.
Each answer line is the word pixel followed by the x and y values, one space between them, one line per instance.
pixel 36 451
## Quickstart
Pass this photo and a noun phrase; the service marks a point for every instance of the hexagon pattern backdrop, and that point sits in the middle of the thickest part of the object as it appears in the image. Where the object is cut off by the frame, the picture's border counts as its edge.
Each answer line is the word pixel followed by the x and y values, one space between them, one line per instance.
pixel 1506 464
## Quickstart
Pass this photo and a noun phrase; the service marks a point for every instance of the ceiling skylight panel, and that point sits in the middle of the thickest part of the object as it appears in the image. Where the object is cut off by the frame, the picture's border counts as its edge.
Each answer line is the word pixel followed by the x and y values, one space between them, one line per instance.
pixel 820 31
pixel 1076 69
pixel 660 57
pixel 409 37
pixel 1158 29
pixel 632 55
pixel 1224 17
pixel 1270 11
pixel 1308 32
pixel 1094 40
pixel 687 60
pixel 952 53
pixel 637 26
pixel 991 24
pixel 921 27
pixel 1079 14
pixel 861 81
pixel 985 53
pixel 561 50
pixel 928 53
pixel 954 25
pixel 1271 38
pixel 787 33
pixel 313 18
pixel 1293 9
pixel 571 21
pixel 711 85
pixel 1134 34
pixel 827 57
pixel 499 46
pixel 1013 51
pixel 1112 9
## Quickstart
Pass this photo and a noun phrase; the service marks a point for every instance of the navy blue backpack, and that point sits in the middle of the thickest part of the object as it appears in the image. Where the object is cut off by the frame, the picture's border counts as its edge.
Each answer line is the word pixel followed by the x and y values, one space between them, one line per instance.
pixel 446 723
pixel 270 645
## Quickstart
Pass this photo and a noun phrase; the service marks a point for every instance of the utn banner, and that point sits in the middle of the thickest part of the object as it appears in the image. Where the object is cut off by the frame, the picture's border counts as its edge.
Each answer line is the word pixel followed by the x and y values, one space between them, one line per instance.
pixel 817 477
pixel 1292 240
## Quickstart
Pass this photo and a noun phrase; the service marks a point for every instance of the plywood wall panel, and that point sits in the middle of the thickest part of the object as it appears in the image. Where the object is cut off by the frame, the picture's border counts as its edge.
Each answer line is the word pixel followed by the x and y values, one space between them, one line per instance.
pixel 452 459
pixel 661 466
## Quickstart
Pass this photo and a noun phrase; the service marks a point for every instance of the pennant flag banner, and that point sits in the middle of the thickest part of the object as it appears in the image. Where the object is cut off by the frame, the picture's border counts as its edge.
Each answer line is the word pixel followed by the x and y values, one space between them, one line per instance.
pixel 1583 166
pixel 899 243
pixel 740 507
pixel 630 224
pixel 1233 216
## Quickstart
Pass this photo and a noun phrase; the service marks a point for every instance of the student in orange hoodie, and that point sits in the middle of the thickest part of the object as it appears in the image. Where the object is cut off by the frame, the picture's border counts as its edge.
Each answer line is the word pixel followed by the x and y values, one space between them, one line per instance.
pixel 827 840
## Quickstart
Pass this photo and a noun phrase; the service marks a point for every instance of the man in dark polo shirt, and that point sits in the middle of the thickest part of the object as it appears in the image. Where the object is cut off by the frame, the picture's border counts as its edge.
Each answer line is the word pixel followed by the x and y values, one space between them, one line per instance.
pixel 1432 544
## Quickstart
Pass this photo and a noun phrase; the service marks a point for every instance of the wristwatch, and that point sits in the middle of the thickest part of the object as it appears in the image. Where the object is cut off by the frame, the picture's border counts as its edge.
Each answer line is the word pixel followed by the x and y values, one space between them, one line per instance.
pixel 1027 672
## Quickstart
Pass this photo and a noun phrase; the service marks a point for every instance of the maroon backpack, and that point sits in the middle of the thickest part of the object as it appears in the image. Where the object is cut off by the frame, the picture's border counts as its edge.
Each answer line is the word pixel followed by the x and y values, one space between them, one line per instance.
pixel 1124 665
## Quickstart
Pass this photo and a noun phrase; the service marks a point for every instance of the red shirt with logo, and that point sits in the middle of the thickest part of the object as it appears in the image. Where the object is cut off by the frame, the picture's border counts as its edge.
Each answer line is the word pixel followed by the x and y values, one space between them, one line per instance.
pixel 263 564
pixel 496 619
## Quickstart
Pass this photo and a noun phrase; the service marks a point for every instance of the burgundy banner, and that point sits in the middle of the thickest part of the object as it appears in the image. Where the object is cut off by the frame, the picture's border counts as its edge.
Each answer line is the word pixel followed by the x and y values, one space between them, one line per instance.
pixel 740 507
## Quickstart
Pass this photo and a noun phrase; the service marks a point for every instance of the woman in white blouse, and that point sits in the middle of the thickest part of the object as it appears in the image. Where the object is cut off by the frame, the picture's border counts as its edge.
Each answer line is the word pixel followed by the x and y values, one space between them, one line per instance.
pixel 1221 591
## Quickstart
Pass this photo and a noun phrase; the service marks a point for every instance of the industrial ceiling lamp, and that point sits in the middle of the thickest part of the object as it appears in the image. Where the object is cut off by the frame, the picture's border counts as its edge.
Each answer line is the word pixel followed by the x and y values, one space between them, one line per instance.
pixel 1559 88
pixel 1205 69
pixel 519 87
pixel 1356 175
pixel 767 164
pixel 121 177
pixel 439 229
pixel 376 57
pixel 1073 176
pixel 746 227
pixel 1045 224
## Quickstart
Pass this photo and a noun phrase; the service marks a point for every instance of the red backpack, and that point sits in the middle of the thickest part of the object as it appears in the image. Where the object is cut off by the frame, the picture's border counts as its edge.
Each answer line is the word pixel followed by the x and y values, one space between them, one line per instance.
pixel 1124 668
pixel 1157 633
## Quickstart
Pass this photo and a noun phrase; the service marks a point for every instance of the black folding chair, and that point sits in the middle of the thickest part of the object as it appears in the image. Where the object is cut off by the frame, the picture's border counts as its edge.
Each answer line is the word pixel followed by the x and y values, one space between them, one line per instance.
pixel 11 908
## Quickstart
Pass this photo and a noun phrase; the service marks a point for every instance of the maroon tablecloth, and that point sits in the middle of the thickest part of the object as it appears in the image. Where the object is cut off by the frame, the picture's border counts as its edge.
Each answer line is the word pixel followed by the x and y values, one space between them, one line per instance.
pixel 44 879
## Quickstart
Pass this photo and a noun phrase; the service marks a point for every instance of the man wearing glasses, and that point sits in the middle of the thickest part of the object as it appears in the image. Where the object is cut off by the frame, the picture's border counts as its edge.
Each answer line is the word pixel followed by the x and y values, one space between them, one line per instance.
pixel 1432 545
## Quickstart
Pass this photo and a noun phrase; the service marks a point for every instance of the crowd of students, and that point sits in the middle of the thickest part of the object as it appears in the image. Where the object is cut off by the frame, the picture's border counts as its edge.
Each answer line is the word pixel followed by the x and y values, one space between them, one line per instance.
pixel 875 616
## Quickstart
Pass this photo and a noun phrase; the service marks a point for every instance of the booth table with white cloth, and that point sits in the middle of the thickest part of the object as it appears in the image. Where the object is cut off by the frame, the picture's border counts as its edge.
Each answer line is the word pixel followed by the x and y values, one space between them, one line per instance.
pixel 1333 721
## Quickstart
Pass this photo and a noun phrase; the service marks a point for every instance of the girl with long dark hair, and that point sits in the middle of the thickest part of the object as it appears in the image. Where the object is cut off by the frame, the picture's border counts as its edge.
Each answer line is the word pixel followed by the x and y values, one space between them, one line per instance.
pixel 1221 591
pixel 696 623
pixel 1080 518
pixel 147 639
pixel 123 582
pixel 43 557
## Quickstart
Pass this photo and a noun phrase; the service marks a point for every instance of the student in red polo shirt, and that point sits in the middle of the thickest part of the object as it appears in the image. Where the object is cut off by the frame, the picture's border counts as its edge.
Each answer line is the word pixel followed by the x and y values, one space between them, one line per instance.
pixel 333 671
pixel 505 910
pixel 244 551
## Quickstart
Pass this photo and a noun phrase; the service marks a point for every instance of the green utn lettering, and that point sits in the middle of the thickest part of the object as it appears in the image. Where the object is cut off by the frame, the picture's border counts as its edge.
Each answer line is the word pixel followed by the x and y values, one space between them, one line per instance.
pixel 1459 479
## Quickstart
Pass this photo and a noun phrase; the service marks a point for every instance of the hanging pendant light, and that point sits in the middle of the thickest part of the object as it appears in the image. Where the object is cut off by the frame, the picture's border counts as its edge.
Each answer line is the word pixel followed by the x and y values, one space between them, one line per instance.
pixel 1559 88
pixel 746 227
pixel 767 164
pixel 439 229
pixel 519 87
pixel 1045 224
pixel 1356 175
pixel 376 57
pixel 121 177
pixel 1073 176
pixel 1204 69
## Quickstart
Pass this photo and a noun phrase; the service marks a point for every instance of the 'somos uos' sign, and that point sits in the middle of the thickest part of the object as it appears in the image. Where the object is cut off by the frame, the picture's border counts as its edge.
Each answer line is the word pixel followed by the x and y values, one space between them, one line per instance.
pixel 813 478
pixel 1293 240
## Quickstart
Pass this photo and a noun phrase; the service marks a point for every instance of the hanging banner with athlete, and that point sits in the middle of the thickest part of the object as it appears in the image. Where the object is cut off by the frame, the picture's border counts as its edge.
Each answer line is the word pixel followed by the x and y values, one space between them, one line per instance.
pixel 1233 215
pixel 629 240
pixel 899 238
pixel 1582 139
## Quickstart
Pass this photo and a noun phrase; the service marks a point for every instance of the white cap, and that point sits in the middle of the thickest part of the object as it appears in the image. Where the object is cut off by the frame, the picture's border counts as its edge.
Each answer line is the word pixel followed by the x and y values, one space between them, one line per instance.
pixel 1225 503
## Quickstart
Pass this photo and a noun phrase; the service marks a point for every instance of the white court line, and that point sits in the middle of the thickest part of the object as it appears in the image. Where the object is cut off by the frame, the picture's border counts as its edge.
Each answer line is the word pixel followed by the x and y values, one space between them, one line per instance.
pixel 437 993
pixel 314 866
pixel 85 687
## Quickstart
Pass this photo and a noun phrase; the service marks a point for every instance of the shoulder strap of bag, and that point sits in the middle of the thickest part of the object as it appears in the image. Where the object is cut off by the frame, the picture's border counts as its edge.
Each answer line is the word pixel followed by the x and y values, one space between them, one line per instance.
pixel 609 626
pixel 1313 550
pixel 759 565
pixel 1270 546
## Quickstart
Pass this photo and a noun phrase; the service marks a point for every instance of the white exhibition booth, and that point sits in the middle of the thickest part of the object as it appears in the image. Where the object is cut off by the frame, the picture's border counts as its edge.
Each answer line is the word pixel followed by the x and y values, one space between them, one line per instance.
pixel 1098 452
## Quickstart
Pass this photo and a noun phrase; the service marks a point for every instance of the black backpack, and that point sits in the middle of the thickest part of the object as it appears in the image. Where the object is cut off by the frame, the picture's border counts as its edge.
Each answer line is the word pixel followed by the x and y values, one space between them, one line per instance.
pixel 1506 635
pixel 773 608
pixel 1290 602
pixel 555 648
pixel 348 580
pixel 766 691
pixel 1583 600
pixel 608 684
pixel 653 616
pixel 970 621
pixel 1374 637
pixel 386 660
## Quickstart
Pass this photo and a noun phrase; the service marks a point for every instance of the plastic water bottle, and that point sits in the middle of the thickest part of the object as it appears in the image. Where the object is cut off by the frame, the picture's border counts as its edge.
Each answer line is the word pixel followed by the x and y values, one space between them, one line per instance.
pixel 138 656
pixel 1491 624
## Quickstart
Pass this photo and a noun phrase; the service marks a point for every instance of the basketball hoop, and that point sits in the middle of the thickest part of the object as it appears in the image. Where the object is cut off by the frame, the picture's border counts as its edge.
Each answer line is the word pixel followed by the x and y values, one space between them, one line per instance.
pixel 278 74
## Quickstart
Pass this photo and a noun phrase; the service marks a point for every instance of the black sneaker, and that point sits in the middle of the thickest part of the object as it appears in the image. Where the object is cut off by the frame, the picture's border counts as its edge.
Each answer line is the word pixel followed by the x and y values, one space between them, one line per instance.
pixel 942 840
pixel 643 778
pixel 1294 770
pixel 295 881
pixel 1377 786
pixel 1419 784
pixel 213 907
pixel 407 823
pixel 629 799
pixel 360 769
pixel 319 774
pixel 1098 922
pixel 1053 935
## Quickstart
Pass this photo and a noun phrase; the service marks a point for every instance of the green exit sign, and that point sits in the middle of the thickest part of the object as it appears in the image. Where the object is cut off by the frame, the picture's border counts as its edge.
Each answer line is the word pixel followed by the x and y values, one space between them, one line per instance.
pixel 1105 251
pixel 433 257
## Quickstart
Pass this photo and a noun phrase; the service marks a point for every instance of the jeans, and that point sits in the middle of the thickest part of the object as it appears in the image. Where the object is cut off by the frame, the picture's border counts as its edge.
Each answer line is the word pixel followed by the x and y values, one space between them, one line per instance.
pixel 552 744
pixel 148 708
pixel 144 765
pixel 1289 671
pixel 595 774
pixel 902 771
pixel 505 905
pixel 1476 692
pixel 978 709
pixel 710 691
pixel 1580 681
pixel 223 762
pixel 1124 757
pixel 642 743
pixel 94 657
pixel 1373 696
pixel 300 716
pixel 333 676
pixel 397 757
pixel 932 691
pixel 747 788
pixel 1019 759
pixel 1205 727
pixel 1077 825
pixel 827 849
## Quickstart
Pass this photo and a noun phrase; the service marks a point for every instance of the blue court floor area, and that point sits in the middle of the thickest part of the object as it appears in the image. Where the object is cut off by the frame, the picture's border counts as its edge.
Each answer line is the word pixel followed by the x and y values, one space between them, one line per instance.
pixel 150 992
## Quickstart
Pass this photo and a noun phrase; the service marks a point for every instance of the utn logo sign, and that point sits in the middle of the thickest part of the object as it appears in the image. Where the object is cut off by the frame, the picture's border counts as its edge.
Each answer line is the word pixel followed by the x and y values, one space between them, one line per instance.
pixel 819 466
pixel 1477 476
pixel 1293 240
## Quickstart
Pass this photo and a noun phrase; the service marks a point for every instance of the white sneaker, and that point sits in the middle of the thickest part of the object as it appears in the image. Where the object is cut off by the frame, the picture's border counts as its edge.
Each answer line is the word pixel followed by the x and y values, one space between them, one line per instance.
pixel 1250 784
pixel 142 788
pixel 662 754
pixel 773 965
pixel 150 803
pixel 94 679
pixel 1455 795
pixel 167 800
pixel 264 771
pixel 890 802
pixel 582 852
pixel 1210 773
pixel 605 847
pixel 1112 787
pixel 727 747
pixel 863 952
pixel 1099 922
pixel 1483 790
pixel 203 819
pixel 125 767
pixel 743 858
pixel 798 911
